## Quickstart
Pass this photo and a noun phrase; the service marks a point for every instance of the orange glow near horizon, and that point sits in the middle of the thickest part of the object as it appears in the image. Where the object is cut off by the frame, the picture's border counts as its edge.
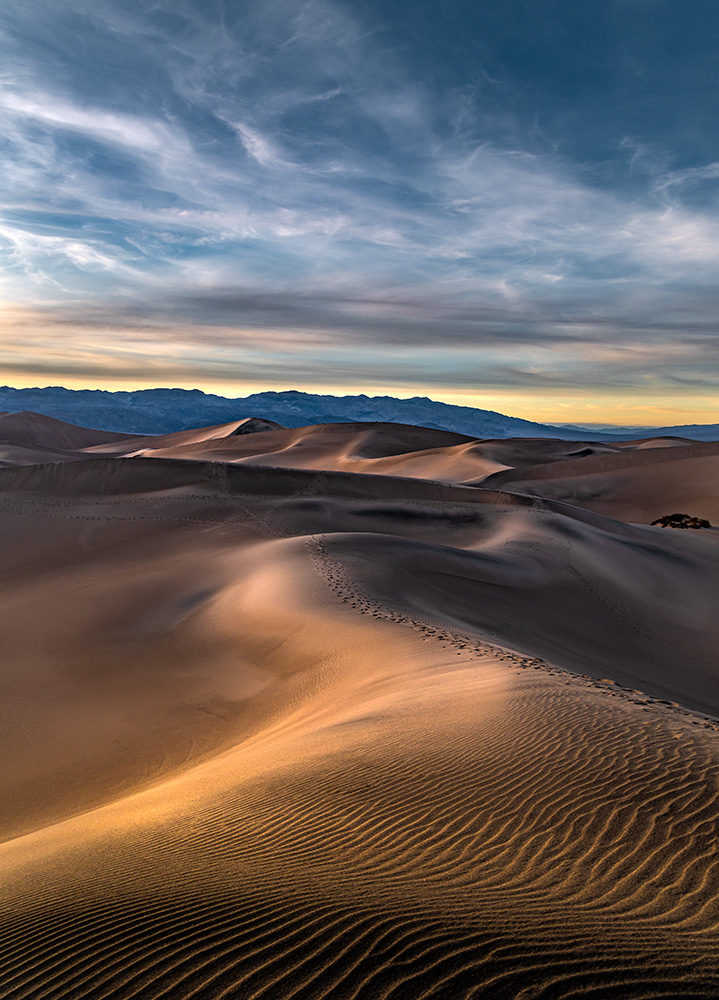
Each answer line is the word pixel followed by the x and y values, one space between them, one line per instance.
pixel 112 358
pixel 566 406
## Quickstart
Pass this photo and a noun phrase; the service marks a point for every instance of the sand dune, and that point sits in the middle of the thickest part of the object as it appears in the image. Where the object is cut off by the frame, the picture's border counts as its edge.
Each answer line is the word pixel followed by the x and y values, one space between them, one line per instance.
pixel 37 430
pixel 203 436
pixel 18 454
pixel 620 480
pixel 636 481
pixel 383 449
pixel 639 486
pixel 299 732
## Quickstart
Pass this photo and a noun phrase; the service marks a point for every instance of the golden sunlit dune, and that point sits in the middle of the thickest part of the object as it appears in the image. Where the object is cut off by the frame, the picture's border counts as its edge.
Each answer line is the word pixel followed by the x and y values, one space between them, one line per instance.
pixel 606 478
pixel 300 732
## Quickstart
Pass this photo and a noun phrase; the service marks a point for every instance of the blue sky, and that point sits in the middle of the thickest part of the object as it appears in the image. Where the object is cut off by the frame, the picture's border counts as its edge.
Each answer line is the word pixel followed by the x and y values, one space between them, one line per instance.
pixel 511 205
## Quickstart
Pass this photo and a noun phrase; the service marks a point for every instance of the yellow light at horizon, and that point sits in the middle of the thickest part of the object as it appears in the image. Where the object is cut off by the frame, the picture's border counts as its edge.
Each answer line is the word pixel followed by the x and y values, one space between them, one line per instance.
pixel 559 406
pixel 37 350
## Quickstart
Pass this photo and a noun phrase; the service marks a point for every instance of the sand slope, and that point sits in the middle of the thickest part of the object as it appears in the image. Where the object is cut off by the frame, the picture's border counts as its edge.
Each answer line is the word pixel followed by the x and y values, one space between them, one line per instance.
pixel 37 430
pixel 387 449
pixel 636 481
pixel 275 733
pixel 638 486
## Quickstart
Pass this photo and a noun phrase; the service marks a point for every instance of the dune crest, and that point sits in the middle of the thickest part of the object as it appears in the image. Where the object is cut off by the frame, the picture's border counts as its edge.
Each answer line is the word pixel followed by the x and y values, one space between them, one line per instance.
pixel 636 481
pixel 336 729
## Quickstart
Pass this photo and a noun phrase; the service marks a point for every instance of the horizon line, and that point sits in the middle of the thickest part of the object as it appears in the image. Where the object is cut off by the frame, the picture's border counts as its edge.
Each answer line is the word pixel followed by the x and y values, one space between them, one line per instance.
pixel 589 425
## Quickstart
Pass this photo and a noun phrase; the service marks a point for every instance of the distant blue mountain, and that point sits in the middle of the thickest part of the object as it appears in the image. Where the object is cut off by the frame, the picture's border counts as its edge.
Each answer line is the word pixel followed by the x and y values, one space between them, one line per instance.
pixel 161 411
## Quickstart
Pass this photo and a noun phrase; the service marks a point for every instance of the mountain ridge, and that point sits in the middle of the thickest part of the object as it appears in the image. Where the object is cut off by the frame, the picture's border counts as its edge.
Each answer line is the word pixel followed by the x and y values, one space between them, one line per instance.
pixel 162 410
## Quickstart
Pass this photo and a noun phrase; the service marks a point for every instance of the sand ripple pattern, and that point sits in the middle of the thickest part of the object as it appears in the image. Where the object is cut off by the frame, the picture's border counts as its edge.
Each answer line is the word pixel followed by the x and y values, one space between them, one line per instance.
pixel 428 850
pixel 472 825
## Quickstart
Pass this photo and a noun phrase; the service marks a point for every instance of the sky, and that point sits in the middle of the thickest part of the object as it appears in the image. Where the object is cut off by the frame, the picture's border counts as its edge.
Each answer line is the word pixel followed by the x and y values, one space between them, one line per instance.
pixel 508 205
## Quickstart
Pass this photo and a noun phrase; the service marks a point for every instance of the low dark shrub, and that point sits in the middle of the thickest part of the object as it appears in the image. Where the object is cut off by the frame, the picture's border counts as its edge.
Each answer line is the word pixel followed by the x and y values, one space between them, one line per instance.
pixel 681 521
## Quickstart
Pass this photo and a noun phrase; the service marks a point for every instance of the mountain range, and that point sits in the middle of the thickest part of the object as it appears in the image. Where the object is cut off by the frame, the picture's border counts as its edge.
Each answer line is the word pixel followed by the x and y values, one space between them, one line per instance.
pixel 161 411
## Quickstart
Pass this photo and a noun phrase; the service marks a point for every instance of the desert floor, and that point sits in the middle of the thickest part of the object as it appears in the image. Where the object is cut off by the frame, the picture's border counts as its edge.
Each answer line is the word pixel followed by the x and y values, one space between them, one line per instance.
pixel 357 712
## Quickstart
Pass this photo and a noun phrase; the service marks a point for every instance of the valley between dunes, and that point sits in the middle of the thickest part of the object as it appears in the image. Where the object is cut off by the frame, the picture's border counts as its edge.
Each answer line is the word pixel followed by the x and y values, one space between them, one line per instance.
pixel 365 712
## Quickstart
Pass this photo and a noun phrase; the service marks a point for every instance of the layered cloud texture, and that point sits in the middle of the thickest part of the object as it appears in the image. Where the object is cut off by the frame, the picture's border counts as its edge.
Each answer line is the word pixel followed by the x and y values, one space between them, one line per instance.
pixel 504 201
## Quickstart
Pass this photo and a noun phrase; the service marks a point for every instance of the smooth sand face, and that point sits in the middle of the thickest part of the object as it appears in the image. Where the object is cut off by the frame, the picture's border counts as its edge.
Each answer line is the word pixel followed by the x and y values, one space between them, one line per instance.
pixel 297 734
pixel 638 486
pixel 635 481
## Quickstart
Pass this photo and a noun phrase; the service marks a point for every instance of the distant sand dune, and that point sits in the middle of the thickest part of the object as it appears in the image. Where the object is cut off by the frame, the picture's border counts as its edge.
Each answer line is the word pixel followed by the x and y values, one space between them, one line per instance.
pixel 35 429
pixel 638 486
pixel 302 733
pixel 389 450
pixel 636 481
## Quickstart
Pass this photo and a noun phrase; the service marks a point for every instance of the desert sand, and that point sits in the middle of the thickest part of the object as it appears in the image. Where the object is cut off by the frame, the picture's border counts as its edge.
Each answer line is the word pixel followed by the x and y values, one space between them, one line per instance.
pixel 356 711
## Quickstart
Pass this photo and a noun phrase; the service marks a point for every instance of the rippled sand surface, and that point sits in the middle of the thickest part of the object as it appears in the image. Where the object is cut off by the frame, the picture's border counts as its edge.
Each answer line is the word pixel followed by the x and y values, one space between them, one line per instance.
pixel 300 734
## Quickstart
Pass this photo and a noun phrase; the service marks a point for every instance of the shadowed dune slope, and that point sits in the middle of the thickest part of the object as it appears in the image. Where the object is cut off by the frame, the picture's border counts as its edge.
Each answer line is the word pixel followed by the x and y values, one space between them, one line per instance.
pixel 656 442
pixel 469 829
pixel 639 486
pixel 386 449
pixel 591 474
pixel 279 733
pixel 196 437
pixel 37 430
pixel 382 449
pixel 12 455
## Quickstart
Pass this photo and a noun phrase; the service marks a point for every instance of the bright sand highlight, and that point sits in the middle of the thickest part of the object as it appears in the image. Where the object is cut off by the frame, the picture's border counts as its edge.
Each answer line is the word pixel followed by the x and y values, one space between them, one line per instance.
pixel 303 734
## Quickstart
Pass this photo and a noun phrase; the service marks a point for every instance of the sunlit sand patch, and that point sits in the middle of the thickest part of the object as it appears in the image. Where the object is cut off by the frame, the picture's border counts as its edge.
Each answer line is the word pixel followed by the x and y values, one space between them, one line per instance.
pixel 285 735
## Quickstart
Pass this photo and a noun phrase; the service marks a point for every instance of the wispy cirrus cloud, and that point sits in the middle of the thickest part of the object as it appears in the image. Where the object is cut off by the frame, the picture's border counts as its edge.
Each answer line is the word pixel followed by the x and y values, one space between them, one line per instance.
pixel 301 173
